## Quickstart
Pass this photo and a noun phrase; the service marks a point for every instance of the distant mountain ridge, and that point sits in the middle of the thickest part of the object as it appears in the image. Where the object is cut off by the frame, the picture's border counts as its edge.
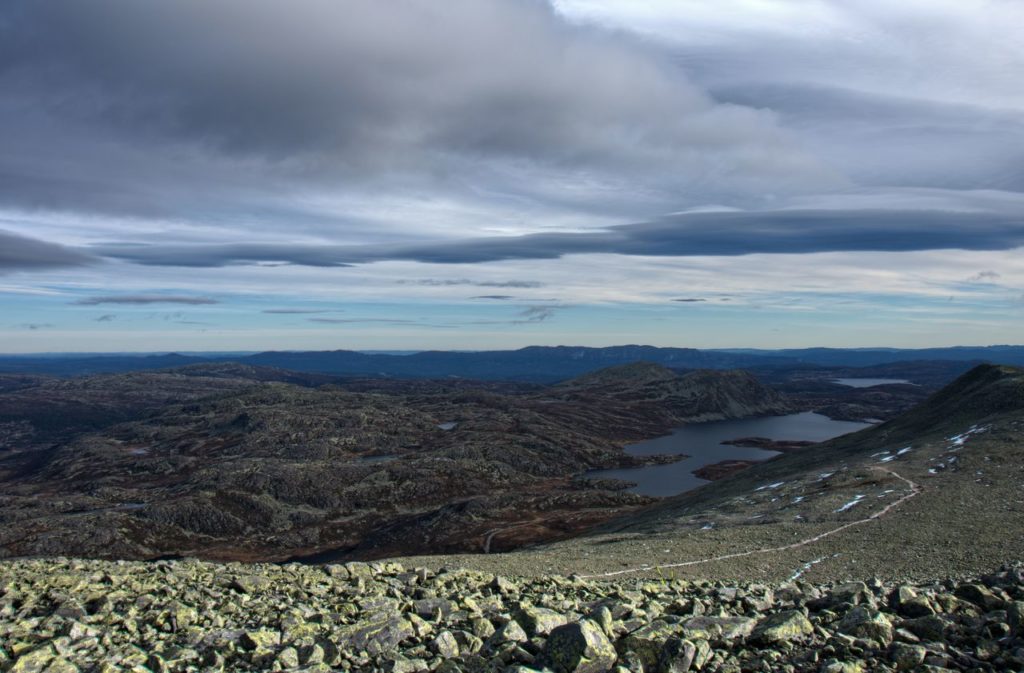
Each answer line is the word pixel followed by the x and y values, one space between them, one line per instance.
pixel 537 364
pixel 867 357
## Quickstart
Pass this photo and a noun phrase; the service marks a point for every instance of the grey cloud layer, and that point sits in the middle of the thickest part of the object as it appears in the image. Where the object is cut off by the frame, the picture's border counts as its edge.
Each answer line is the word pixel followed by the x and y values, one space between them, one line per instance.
pixel 695 234
pixel 368 93
pixel 20 253
pixel 920 92
pixel 144 299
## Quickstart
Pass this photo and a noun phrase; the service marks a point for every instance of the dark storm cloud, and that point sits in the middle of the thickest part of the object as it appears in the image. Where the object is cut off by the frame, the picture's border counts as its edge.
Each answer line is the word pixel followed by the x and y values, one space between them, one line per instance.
pixel 686 235
pixel 294 311
pixel 143 299
pixel 169 108
pixel 109 317
pixel 19 253
pixel 689 300
pixel 500 297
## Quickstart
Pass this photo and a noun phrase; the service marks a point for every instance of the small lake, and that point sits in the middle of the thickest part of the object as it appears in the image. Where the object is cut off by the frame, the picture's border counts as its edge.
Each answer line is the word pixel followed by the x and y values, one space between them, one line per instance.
pixel 702 443
pixel 867 383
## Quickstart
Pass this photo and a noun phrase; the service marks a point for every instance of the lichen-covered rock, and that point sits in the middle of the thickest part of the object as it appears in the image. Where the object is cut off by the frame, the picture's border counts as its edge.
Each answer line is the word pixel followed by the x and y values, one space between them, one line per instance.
pixel 834 666
pixel 33 661
pixel 510 632
pixel 676 656
pixel 782 627
pixel 262 640
pixel 931 628
pixel 288 658
pixel 853 593
pixel 445 645
pixel 981 596
pixel 714 628
pixel 702 655
pixel 172 617
pixel 1015 616
pixel 916 606
pixel 863 622
pixel 907 656
pixel 647 642
pixel 580 647
pixel 540 621
pixel 376 637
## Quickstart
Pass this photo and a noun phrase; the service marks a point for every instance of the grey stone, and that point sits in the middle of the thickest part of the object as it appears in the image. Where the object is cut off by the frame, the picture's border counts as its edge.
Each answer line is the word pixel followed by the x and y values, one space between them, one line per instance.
pixel 863 622
pixel 676 656
pixel 782 627
pixel 375 638
pixel 906 656
pixel 580 647
pixel 445 645
pixel 540 621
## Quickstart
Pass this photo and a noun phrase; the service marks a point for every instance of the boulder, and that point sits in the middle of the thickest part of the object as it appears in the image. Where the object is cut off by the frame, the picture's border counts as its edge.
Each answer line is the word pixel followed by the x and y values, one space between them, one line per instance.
pixel 863 622
pixel 782 627
pixel 540 621
pixel 374 638
pixel 579 647
pixel 647 642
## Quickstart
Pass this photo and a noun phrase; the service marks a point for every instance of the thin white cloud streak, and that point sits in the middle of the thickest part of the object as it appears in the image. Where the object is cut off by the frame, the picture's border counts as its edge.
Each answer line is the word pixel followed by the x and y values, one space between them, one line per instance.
pixel 952 51
pixel 593 279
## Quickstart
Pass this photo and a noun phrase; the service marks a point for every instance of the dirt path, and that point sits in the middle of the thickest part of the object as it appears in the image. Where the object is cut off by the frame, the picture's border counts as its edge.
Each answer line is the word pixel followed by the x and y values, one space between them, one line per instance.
pixel 915 489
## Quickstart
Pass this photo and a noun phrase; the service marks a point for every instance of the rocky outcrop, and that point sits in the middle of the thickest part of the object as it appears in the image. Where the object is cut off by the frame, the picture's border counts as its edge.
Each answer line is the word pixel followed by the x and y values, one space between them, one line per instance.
pixel 692 397
pixel 64 616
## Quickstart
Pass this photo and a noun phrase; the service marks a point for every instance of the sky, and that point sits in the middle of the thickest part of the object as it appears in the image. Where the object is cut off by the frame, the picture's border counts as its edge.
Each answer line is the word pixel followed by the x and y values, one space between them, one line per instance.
pixel 481 174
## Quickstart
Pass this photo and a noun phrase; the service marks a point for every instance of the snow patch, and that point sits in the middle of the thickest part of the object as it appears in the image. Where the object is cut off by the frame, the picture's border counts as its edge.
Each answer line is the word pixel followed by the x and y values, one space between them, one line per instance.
pixel 856 499
pixel 769 486
pixel 957 441
pixel 807 566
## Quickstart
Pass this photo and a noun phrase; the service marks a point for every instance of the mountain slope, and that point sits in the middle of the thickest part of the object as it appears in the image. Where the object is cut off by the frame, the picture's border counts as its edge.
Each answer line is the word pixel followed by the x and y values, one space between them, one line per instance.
pixel 936 491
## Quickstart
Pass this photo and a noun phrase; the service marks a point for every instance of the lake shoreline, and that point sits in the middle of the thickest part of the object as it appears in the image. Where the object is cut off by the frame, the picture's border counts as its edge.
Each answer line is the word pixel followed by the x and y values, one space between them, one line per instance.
pixel 720 448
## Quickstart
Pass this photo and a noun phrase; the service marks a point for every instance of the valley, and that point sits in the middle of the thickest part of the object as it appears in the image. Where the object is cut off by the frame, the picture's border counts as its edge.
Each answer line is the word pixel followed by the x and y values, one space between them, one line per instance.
pixel 262 468
pixel 237 462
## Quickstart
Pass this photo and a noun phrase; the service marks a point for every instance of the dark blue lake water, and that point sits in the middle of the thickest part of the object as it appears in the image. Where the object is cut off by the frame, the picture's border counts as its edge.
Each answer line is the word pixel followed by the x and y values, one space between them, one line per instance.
pixel 867 383
pixel 702 443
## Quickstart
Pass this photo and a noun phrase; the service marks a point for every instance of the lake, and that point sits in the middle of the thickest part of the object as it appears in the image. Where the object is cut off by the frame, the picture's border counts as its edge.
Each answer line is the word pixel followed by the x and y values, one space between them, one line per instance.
pixel 867 383
pixel 702 443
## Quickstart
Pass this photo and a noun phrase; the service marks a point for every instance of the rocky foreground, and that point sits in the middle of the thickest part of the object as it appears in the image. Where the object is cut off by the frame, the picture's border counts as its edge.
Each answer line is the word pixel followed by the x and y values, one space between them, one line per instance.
pixel 59 616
